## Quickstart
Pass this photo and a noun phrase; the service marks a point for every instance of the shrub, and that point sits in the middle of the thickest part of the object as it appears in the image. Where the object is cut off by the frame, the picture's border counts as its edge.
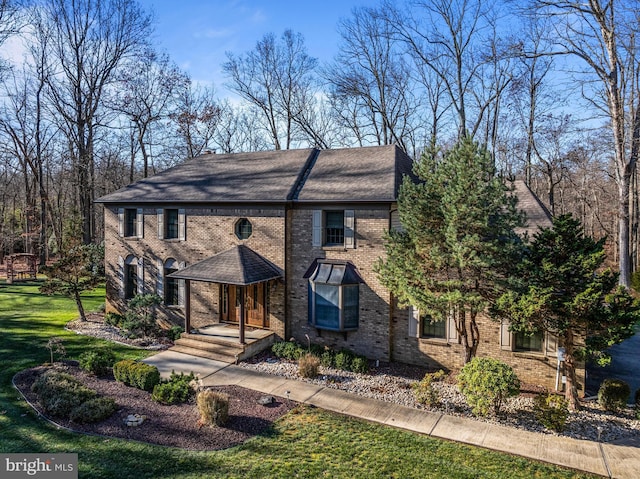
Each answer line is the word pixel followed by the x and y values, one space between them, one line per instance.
pixel 97 361
pixel 486 383
pixel 425 392
pixel 114 319
pixel 343 360
pixel 176 390
pixel 174 332
pixel 121 371
pixel 213 407
pixel 551 411
pixel 308 366
pixel 59 393
pixel 139 375
pixel 326 359
pixel 288 350
pixel 360 364
pixel 140 318
pixel 93 410
pixel 613 394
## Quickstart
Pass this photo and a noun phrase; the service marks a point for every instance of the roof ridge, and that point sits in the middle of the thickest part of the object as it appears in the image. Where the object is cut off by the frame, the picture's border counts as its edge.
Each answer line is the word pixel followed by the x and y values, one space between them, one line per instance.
pixel 303 175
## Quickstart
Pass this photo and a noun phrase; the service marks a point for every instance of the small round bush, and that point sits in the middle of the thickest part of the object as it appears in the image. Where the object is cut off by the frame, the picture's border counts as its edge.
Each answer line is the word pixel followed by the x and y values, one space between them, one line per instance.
pixel 121 371
pixel 486 383
pixel 308 366
pixel 360 364
pixel 213 407
pixel 174 332
pixel 326 359
pixel 424 390
pixel 98 361
pixel 288 350
pixel 613 394
pixel 343 360
pixel 551 411
pixel 93 410
pixel 114 319
pixel 178 389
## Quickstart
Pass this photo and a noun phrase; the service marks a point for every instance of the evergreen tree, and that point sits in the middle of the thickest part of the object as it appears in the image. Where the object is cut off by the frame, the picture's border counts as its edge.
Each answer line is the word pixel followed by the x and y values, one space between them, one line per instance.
pixel 457 241
pixel 563 290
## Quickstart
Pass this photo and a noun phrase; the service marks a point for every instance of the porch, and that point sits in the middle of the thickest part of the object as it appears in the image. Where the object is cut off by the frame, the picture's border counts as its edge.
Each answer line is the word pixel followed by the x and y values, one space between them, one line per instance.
pixel 222 342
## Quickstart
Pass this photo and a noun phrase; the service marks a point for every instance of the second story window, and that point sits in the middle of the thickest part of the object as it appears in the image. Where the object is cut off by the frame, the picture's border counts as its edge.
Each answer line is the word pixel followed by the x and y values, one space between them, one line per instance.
pixel 130 222
pixel 171 224
pixel 334 228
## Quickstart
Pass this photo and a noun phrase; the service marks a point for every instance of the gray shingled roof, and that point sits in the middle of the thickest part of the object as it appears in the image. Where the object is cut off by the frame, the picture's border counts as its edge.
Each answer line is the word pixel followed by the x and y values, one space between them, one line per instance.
pixel 356 174
pixel 264 176
pixel 349 174
pixel 239 265
pixel 537 214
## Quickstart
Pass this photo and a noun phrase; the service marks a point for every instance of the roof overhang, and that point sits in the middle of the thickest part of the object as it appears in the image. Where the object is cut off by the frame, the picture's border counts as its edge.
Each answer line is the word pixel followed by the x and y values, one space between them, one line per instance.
pixel 240 266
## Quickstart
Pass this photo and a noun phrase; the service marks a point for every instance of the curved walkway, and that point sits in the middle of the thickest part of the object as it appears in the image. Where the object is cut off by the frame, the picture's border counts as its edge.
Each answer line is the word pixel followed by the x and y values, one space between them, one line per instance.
pixel 614 461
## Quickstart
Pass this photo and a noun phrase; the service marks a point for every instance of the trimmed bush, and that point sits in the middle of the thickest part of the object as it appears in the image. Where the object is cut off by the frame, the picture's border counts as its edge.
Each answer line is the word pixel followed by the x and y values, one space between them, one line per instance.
pixel 425 392
pixel 139 375
pixel 98 361
pixel 326 359
pixel 360 364
pixel 486 383
pixel 343 360
pixel 121 371
pixel 288 350
pixel 613 394
pixel 551 411
pixel 213 407
pixel 60 393
pixel 308 366
pixel 93 410
pixel 178 389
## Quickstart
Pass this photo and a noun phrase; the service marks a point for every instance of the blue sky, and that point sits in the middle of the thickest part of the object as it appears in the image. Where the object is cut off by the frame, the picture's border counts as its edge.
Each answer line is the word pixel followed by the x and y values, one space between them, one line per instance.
pixel 197 33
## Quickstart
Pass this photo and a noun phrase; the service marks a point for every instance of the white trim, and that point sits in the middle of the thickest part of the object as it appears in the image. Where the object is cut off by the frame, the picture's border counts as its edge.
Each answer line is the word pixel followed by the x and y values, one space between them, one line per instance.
pixel 414 322
pixel 140 275
pixel 506 336
pixel 181 287
pixel 160 279
pixel 120 277
pixel 121 222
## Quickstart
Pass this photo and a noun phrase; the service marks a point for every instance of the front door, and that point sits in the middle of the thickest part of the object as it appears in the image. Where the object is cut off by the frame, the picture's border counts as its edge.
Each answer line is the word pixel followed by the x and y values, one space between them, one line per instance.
pixel 255 301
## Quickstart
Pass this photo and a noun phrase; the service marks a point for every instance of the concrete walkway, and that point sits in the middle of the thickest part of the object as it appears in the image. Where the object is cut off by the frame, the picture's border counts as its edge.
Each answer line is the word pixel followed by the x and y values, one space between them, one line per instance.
pixel 615 461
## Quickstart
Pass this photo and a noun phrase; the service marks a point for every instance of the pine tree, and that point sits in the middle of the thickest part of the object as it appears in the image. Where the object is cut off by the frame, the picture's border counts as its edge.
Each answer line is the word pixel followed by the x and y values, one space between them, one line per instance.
pixel 457 241
pixel 563 290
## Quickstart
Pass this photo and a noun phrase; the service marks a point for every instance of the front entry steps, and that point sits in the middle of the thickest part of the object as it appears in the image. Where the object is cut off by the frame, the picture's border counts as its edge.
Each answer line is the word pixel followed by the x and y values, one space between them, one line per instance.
pixel 217 343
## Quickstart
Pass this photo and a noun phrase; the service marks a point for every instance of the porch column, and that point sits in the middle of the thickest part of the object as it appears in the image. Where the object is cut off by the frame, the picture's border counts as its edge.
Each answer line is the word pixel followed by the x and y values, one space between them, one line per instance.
pixel 187 306
pixel 242 310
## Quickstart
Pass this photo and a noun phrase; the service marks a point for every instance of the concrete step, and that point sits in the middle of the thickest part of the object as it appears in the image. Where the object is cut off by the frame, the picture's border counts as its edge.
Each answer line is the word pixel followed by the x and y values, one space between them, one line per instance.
pixel 201 353
pixel 207 338
pixel 226 349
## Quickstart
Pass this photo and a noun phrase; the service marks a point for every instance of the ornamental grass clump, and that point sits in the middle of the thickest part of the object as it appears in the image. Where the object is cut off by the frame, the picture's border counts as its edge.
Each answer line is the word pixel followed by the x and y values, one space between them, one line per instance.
pixel 308 366
pixel 486 383
pixel 213 407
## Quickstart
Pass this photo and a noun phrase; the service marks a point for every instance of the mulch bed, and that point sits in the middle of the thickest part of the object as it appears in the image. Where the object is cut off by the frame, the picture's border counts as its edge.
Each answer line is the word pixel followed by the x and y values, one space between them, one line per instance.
pixel 175 425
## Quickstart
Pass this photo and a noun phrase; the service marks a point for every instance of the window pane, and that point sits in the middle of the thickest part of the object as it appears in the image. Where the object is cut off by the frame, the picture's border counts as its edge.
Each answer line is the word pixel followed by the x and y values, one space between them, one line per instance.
pixel 243 228
pixel 131 287
pixel 171 220
pixel 131 221
pixel 327 306
pixel 334 227
pixel 433 329
pixel 351 304
pixel 171 288
pixel 525 342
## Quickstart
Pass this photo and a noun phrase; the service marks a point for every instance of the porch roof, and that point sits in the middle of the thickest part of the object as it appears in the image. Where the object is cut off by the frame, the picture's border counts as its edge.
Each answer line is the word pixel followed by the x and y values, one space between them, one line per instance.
pixel 239 265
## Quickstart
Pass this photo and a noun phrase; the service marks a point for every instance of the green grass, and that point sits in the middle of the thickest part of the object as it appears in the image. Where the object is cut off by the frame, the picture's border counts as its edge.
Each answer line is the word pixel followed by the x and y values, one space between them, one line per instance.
pixel 307 443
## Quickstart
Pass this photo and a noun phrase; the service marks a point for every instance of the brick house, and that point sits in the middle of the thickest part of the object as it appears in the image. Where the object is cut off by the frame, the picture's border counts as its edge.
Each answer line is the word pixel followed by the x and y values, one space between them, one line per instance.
pixel 286 241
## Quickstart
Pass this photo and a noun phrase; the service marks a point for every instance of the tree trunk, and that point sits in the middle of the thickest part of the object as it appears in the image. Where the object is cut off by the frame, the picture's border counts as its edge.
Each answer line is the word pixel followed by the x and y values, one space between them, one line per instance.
pixel 78 300
pixel 571 392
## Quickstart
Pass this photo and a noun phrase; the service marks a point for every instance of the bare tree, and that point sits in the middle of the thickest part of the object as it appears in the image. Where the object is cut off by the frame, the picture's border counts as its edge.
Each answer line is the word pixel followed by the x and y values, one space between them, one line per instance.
pixel 276 79
pixel 370 81
pixel 89 41
pixel 601 36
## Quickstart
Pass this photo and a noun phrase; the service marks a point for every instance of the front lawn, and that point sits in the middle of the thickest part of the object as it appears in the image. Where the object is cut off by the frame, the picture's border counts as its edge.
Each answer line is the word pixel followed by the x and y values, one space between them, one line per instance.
pixel 306 444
